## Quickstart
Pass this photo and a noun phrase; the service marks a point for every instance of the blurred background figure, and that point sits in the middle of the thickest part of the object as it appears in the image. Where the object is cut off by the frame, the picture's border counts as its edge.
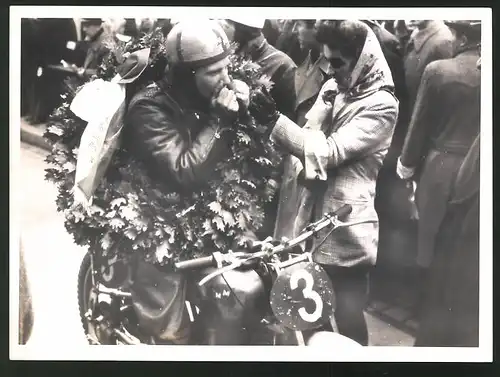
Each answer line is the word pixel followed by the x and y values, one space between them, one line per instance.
pixel 444 123
pixel 311 73
pixel 146 26
pixel 95 31
pixel 450 315
pixel 288 41
pixel 403 32
pixel 44 44
pixel 271 31
pixel 130 28
pixel 26 316
pixel 431 40
pixel 164 24
pixel 247 33
pixel 29 58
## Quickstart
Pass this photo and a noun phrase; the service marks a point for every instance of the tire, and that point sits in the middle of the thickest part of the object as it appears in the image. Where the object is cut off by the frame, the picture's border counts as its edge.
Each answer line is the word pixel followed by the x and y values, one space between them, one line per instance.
pixel 84 290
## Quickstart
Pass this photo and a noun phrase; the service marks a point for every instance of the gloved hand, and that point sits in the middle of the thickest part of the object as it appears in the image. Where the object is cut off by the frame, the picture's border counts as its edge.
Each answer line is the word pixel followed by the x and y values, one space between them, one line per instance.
pixel 263 108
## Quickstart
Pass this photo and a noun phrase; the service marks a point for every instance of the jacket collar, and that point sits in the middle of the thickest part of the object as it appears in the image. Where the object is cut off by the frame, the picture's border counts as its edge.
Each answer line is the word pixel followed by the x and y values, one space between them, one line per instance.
pixel 186 101
pixel 420 37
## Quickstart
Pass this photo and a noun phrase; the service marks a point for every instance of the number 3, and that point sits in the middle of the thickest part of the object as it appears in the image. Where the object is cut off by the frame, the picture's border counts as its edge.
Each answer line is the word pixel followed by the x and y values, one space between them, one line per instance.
pixel 308 294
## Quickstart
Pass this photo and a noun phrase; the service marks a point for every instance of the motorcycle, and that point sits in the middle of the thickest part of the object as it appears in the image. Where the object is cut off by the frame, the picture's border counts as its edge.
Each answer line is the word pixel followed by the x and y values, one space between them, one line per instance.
pixel 267 295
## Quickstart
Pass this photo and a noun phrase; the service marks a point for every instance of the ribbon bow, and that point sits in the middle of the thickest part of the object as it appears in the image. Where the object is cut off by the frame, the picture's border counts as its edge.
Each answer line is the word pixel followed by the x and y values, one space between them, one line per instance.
pixel 102 105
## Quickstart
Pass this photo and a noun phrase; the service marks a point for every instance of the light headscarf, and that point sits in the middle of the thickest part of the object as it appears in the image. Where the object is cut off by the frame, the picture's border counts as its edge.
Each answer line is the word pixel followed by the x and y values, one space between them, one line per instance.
pixel 371 72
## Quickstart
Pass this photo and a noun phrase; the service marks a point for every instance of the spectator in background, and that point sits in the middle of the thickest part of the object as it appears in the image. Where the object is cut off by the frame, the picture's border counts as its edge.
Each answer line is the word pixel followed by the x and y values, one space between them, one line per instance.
pixel 50 43
pixel 146 26
pixel 450 315
pixel 29 65
pixel 165 24
pixel 403 33
pixel 130 28
pixel 432 40
pixel 247 33
pixel 312 73
pixel 271 31
pixel 388 25
pixel 443 126
pixel 390 207
pixel 97 50
pixel 288 42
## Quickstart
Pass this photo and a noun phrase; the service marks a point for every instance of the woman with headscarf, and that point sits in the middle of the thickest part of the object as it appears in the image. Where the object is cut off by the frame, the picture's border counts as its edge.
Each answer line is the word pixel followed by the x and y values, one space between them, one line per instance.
pixel 334 160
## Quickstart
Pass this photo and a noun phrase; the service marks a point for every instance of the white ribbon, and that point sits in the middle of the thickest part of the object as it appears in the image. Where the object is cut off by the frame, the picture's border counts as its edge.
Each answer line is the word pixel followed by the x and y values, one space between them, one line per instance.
pixel 96 103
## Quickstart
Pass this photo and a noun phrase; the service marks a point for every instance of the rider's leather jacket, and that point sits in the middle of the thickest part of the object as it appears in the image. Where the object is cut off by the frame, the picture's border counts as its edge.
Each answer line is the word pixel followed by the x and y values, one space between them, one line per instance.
pixel 174 134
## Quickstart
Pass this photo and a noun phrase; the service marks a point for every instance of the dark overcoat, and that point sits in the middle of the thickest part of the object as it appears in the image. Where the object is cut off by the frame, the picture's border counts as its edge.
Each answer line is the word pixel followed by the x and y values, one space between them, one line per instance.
pixel 450 314
pixel 425 46
pixel 444 124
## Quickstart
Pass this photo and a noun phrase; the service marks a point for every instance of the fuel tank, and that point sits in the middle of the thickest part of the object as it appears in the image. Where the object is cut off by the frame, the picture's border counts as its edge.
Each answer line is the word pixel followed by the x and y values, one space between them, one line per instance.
pixel 232 305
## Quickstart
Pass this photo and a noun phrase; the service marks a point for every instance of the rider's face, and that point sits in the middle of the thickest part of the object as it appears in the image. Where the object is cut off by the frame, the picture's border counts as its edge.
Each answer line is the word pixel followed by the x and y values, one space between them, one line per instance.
pixel 210 79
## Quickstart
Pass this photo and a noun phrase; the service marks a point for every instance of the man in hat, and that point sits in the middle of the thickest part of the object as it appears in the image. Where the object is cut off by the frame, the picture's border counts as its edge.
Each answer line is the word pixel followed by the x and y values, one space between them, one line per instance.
pixel 444 124
pixel 176 128
pixel 247 33
pixel 94 32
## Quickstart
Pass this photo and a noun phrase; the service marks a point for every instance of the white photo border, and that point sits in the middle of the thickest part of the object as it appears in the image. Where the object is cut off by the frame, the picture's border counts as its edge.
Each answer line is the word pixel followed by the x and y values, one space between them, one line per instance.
pixel 484 353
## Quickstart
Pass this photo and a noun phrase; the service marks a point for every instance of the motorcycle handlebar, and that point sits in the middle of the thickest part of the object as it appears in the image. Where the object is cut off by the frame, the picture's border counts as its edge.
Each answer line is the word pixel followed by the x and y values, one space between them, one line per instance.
pixel 195 263
pixel 342 212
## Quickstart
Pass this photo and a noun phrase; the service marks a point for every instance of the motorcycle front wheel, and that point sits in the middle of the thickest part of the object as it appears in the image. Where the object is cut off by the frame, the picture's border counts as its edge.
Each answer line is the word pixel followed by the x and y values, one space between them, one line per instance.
pixel 87 303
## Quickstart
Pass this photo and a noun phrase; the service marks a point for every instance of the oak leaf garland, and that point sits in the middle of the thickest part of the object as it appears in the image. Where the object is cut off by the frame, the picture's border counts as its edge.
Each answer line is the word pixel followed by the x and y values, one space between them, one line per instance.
pixel 140 215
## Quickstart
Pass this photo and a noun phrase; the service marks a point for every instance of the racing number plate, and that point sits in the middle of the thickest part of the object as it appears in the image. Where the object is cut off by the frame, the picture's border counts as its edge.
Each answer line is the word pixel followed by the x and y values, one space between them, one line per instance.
pixel 302 297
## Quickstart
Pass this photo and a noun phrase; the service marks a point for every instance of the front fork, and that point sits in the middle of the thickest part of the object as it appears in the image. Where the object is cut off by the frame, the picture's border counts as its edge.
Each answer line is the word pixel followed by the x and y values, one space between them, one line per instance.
pixel 102 297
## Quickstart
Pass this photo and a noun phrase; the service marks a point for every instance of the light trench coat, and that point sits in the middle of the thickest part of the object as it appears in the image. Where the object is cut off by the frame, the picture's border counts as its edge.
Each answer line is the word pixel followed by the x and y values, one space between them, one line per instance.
pixel 335 159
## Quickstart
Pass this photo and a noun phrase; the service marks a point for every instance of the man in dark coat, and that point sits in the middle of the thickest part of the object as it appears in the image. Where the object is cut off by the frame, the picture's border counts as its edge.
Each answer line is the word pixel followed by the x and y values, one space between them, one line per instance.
pixel 450 315
pixel 275 64
pixel 443 126
pixel 311 73
pixel 271 31
pixel 51 37
pixel 432 40
pixel 288 42
pixel 96 50
pixel 29 47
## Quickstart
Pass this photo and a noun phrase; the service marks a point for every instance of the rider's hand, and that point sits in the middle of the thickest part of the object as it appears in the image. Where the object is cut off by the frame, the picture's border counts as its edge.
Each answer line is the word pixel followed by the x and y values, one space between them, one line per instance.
pixel 225 104
pixel 242 92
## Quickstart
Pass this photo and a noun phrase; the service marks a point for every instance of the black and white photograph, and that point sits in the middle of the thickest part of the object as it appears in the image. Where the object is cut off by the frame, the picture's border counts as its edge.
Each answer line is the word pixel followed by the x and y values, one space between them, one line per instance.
pixel 301 187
